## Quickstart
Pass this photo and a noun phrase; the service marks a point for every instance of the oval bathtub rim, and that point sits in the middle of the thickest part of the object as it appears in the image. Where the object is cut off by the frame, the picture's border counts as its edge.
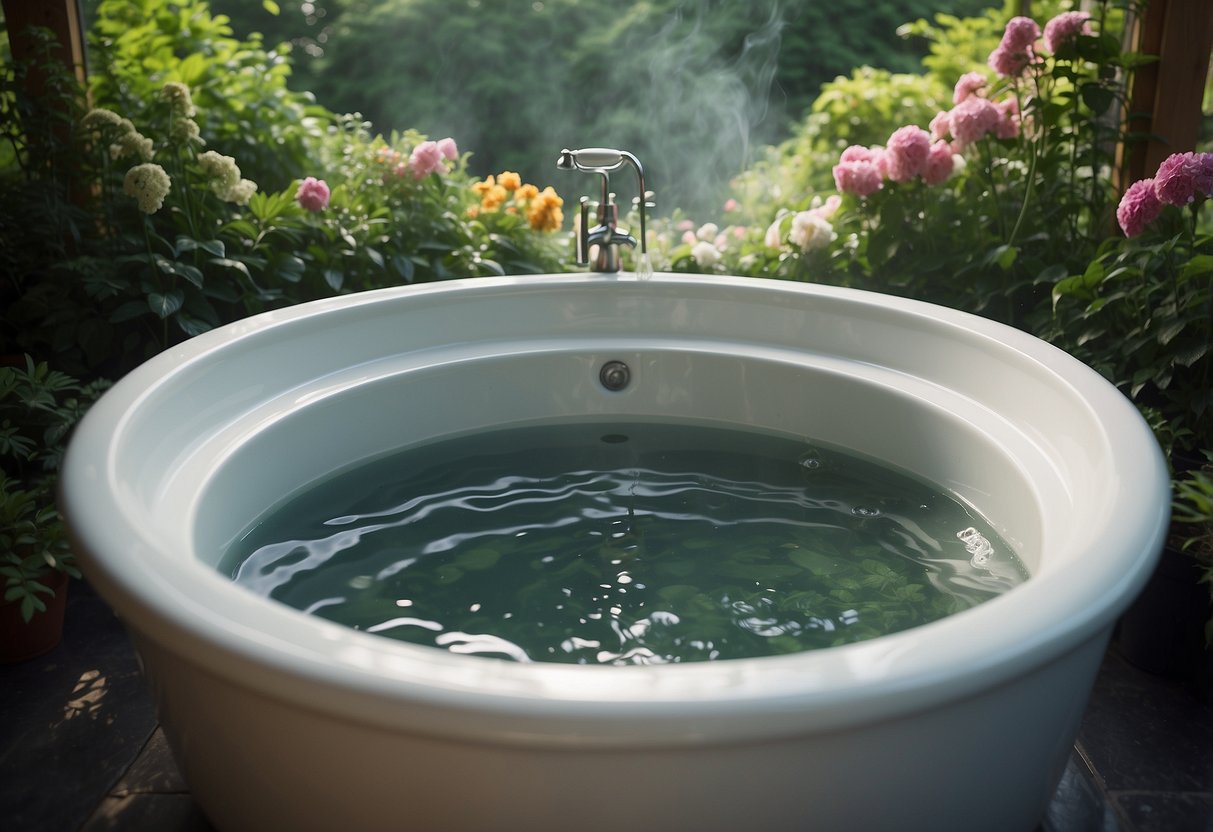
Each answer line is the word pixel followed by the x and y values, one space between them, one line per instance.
pixel 874 695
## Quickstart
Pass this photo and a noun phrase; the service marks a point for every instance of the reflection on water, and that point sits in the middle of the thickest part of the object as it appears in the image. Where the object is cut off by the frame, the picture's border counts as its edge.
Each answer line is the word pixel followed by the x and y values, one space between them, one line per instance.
pixel 625 544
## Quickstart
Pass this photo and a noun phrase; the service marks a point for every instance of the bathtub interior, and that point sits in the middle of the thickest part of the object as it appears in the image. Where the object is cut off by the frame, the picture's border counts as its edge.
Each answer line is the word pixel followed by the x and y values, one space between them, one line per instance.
pixel 206 438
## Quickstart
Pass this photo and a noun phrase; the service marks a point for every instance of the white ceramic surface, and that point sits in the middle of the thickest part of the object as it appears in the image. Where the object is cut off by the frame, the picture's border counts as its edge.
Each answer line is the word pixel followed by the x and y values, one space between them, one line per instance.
pixel 285 721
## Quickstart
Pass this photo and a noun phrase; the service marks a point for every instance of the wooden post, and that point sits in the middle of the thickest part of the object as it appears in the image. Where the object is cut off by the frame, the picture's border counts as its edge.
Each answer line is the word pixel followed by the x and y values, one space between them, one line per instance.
pixel 62 17
pixel 1166 98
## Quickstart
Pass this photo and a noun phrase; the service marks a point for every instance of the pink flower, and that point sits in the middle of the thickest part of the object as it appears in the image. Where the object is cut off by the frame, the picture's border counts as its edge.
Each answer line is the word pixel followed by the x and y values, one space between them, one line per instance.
pixel 972 119
pixel 427 158
pixel 730 205
pixel 1016 49
pixel 1065 27
pixel 858 171
pixel 1008 118
pixel 313 194
pixel 1020 35
pixel 1138 207
pixel 906 153
pixel 1175 183
pixel 969 84
pixel 1008 64
pixel 1204 174
pixel 859 153
pixel 940 128
pixel 448 148
pixel 939 164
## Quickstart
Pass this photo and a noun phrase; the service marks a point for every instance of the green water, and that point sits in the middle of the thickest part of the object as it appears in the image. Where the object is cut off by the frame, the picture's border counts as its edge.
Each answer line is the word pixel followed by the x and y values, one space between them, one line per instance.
pixel 630 543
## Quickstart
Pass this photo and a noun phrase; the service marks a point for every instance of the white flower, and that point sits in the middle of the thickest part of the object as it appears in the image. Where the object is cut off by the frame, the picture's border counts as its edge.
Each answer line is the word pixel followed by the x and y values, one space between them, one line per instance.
pixel 178 97
pixel 99 118
pixel 774 235
pixel 131 143
pixel 148 184
pixel 705 254
pixel 707 232
pixel 186 130
pixel 810 232
pixel 225 177
pixel 240 192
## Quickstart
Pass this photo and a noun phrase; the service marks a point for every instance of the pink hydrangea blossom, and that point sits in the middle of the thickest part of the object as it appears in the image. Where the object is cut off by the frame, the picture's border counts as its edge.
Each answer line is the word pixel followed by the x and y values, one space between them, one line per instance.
pixel 1064 27
pixel 939 164
pixel 313 194
pixel 1175 183
pixel 906 153
pixel 1008 64
pixel 858 171
pixel 969 84
pixel 859 153
pixel 1138 207
pixel 448 148
pixel 972 119
pixel 1008 118
pixel 1020 34
pixel 1204 174
pixel 427 158
pixel 940 128
pixel 1016 49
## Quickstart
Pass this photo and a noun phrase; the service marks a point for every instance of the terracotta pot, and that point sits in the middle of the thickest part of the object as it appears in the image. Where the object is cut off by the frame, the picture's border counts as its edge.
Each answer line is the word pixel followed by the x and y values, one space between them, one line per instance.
pixel 20 640
pixel 1163 632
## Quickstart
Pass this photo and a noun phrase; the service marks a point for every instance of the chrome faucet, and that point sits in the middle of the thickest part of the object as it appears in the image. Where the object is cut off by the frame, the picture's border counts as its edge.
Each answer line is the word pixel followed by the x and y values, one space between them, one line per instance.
pixel 598 247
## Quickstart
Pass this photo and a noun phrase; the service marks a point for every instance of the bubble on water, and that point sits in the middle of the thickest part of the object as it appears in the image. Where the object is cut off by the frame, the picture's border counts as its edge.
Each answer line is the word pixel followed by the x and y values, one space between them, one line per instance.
pixel 361 582
pixel 810 461
pixel 976 544
pixel 865 511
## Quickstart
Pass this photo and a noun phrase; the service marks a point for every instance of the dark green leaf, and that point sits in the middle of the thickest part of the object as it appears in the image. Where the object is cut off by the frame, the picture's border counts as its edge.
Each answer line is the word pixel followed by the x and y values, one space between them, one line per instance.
pixel 167 303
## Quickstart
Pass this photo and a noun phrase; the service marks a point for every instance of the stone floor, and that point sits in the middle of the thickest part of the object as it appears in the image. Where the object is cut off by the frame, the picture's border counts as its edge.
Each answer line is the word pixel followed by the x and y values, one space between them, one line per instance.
pixel 80 749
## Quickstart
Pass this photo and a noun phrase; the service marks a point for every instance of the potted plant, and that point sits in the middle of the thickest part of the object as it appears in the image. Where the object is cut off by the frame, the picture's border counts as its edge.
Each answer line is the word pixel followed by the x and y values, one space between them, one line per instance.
pixel 38 407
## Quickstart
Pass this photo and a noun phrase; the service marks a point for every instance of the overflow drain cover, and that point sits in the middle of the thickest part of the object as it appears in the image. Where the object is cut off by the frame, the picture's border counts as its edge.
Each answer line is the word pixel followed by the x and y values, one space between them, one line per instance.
pixel 614 375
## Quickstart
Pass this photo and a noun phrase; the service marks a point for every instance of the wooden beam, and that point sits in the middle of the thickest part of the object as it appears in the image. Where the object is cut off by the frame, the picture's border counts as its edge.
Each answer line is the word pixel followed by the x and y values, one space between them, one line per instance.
pixel 1166 98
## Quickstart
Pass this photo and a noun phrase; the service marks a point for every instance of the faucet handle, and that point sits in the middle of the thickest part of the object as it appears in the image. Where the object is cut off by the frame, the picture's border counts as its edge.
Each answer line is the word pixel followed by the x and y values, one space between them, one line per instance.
pixel 581 240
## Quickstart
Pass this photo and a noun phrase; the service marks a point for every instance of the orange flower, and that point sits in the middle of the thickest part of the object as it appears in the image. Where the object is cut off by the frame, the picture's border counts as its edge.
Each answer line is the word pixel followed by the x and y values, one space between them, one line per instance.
pixel 483 187
pixel 509 180
pixel 544 212
pixel 493 197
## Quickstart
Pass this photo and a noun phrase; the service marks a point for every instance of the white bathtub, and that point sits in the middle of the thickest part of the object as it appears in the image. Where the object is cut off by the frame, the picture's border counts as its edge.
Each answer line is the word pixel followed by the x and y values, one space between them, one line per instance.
pixel 280 720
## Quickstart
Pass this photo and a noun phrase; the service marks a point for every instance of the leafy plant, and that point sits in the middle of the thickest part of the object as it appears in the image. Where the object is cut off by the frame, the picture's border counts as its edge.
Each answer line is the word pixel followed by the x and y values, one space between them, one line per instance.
pixel 1192 515
pixel 38 407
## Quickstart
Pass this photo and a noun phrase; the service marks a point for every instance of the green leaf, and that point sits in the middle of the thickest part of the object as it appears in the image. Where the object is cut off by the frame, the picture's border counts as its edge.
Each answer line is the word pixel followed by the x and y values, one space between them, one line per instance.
pixel 1098 97
pixel 191 273
pixel 128 311
pixel 403 266
pixel 213 247
pixel 271 7
pixel 815 562
pixel 228 263
pixel 334 278
pixel 165 304
pixel 1198 265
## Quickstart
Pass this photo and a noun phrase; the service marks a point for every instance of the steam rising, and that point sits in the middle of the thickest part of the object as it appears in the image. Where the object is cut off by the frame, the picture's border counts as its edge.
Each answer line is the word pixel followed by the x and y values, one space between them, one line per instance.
pixel 661 86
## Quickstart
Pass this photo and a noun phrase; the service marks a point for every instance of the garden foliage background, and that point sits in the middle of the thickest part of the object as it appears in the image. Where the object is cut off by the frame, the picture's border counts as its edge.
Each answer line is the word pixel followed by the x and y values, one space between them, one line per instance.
pixel 217 172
